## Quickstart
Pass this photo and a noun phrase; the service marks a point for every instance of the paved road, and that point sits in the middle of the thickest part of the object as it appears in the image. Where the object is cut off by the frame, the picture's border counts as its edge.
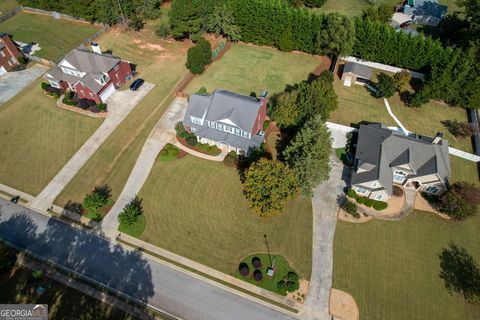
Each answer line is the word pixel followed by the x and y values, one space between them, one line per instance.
pixel 140 277
pixel 324 222
pixel 162 133
pixel 120 104
pixel 12 83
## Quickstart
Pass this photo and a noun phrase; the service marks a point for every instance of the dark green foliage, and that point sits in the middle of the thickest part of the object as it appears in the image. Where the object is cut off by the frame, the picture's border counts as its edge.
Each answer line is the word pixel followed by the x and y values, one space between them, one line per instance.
pixel 368 202
pixel 44 85
pixel 163 30
pixel 350 207
pixel 74 207
pixel 96 199
pixel 282 286
pixel 7 258
pixel 460 272
pixel 169 153
pixel 202 90
pixel 135 23
pixel 417 99
pixel 382 13
pixel 132 211
pixel 191 141
pixel 386 86
pixel 460 201
pixel 361 200
pixel 379 205
pixel 102 106
pixel 292 276
pixel 180 129
pixel 222 21
pixel 22 60
pixel 292 286
pixel 199 56
pixel 266 124
pixel 351 193
pixel 314 3
pixel 188 16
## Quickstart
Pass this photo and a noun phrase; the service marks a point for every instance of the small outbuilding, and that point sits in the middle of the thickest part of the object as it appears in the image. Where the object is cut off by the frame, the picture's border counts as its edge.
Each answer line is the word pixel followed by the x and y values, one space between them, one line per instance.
pixel 356 73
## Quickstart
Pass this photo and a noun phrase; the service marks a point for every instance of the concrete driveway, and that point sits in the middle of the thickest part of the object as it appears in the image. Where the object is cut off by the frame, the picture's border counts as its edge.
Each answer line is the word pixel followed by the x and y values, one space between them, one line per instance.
pixel 12 83
pixel 119 104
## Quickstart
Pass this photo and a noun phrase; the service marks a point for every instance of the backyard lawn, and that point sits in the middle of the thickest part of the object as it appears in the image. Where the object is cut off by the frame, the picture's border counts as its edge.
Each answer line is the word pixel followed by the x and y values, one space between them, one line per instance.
pixel 56 37
pixel 159 62
pixel 7 5
pixel 355 7
pixel 196 208
pixel 392 268
pixel 464 170
pixel 38 138
pixel 247 68
pixel 63 302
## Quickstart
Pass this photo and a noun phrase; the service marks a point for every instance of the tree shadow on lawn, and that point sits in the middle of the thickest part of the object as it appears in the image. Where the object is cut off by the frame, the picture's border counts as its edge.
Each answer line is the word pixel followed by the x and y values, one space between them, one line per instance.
pixel 83 252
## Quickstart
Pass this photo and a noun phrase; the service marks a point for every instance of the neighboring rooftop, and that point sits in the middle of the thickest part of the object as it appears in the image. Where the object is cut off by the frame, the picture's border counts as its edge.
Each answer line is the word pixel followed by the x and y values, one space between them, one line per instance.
pixel 426 8
pixel 358 69
pixel 382 149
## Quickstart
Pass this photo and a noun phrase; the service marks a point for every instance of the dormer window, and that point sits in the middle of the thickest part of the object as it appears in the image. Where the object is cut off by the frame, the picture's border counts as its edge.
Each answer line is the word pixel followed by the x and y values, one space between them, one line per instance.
pixel 102 80
pixel 196 120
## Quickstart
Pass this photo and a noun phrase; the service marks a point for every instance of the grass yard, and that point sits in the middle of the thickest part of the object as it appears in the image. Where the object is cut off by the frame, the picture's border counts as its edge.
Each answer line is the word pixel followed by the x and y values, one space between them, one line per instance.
pixel 7 5
pixel 159 62
pixel 392 268
pixel 63 302
pixel 196 208
pixel 38 138
pixel 356 7
pixel 248 68
pixel 55 37
pixel 464 170
pixel 356 104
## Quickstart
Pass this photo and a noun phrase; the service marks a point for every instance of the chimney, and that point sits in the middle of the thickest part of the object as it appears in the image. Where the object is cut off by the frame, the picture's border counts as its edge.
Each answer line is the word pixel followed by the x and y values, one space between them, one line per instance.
pixel 95 47
pixel 438 138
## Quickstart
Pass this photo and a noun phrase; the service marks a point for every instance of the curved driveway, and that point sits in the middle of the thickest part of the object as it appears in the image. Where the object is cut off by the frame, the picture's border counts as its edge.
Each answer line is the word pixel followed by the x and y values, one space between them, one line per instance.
pixel 140 277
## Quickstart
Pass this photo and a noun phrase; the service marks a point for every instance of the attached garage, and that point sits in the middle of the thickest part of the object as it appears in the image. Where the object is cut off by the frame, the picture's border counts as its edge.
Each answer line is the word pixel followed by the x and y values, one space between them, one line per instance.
pixel 107 92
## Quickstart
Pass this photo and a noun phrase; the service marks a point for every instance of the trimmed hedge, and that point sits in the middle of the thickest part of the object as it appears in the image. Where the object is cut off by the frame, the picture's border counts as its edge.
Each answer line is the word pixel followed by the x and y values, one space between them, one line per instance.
pixel 351 193
pixel 361 200
pixel 380 205
pixel 369 202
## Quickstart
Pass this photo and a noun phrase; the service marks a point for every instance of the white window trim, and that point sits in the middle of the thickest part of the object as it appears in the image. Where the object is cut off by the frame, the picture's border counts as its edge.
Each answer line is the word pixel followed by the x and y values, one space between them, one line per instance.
pixel 379 197
pixel 360 190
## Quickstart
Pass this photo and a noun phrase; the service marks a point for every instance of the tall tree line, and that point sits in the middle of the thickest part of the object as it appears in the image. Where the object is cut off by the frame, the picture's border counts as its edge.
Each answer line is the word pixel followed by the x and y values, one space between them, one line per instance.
pixel 105 11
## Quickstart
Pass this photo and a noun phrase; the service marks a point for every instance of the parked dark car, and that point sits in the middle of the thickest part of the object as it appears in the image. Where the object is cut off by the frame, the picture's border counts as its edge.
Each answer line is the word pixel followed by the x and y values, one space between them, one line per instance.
pixel 136 84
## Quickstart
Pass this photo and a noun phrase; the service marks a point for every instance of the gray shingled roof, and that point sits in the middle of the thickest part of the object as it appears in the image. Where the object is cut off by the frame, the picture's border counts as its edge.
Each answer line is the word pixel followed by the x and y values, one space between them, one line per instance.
pixel 221 105
pixel 384 149
pixel 358 69
pixel 90 62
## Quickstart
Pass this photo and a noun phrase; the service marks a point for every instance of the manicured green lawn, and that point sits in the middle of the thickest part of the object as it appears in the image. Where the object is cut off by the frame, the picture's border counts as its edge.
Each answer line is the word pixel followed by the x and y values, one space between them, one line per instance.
pixel 56 37
pixel 356 104
pixel 7 5
pixel 248 68
pixel 114 160
pixel 135 229
pixel 392 268
pixel 464 170
pixel 281 270
pixel 38 138
pixel 196 208
pixel 63 302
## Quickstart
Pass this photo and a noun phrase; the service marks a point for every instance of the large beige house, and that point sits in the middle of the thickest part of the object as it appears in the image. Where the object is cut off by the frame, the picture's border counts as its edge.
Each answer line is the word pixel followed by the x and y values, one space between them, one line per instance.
pixel 385 157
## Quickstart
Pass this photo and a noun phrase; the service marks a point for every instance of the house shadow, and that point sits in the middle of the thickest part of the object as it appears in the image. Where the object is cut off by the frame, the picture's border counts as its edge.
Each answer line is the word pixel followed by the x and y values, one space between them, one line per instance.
pixel 82 252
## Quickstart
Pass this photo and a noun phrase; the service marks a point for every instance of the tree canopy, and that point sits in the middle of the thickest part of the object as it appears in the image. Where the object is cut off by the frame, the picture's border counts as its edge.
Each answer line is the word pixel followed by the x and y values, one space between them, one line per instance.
pixel 199 57
pixel 460 201
pixel 268 186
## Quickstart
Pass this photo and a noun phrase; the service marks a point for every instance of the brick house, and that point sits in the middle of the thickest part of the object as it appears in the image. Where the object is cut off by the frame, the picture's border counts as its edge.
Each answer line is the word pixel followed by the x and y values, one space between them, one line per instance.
pixel 9 53
pixel 231 121
pixel 92 75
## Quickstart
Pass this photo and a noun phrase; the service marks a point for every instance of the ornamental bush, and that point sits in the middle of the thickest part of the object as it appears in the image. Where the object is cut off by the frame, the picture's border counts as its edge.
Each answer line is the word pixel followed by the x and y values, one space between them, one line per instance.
pixel 292 286
pixel 191 141
pixel 257 275
pixel 380 205
pixel 361 200
pixel 292 276
pixel 243 269
pixel 351 193
pixel 256 262
pixel 199 56
pixel 281 286
pixel 369 202
pixel 180 129
pixel 131 211
pixel 44 85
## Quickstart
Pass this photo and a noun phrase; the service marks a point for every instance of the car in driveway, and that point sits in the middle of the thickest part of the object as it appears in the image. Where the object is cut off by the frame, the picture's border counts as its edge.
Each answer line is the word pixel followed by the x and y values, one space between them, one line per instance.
pixel 136 84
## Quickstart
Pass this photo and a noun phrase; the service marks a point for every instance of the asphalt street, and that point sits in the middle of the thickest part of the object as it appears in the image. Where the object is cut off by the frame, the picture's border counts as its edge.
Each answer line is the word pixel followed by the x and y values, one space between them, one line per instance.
pixel 142 278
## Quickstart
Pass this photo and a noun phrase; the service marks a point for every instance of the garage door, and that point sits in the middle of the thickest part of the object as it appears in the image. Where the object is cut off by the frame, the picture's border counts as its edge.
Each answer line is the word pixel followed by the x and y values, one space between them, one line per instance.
pixel 2 71
pixel 107 93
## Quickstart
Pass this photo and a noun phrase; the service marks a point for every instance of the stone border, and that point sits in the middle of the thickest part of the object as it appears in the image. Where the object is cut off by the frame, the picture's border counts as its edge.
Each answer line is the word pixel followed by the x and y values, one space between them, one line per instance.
pixel 80 110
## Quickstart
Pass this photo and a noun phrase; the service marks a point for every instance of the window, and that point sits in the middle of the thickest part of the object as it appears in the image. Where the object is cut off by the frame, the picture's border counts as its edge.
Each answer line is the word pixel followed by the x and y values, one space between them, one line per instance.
pixel 361 190
pixel 379 197
pixel 433 189
pixel 196 120
pixel 2 54
pixel 399 176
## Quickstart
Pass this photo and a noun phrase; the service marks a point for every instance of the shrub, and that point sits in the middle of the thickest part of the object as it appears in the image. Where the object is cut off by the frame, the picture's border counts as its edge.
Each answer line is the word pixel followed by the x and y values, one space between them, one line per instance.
pixel 199 56
pixel 351 193
pixel 102 106
pixel 361 200
pixel 191 141
pixel 74 207
pixel 292 276
pixel 180 129
pixel 397 191
pixel 163 30
pixel 380 205
pixel 243 269
pixel 22 60
pixel 386 86
pixel 202 90
pixel 44 86
pixel 257 275
pixel 460 201
pixel 460 129
pixel 418 99
pixel 292 286
pixel 131 211
pixel 350 207
pixel 266 124
pixel 369 202
pixel 256 262
pixel 163 153
pixel 281 286
pixel 93 201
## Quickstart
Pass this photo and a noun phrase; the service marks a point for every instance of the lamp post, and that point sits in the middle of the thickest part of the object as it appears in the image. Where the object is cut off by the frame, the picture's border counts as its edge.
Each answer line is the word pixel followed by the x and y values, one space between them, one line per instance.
pixel 268 251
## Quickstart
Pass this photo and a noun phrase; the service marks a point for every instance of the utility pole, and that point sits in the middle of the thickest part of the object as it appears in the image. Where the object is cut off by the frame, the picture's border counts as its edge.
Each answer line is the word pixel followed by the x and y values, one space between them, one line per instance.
pixel 268 250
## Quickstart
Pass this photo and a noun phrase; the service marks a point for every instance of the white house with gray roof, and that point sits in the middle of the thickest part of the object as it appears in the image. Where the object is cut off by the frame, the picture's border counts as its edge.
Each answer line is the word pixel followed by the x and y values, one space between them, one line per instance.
pixel 229 120
pixel 384 157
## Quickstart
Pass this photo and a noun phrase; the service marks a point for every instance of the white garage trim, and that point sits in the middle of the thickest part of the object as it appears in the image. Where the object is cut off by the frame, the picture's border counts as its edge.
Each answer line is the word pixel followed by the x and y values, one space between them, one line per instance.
pixel 107 93
pixel 2 71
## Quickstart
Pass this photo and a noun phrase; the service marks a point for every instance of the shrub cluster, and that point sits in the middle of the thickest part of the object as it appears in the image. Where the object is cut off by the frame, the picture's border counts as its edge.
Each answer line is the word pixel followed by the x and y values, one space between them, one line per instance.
pixel 350 207
pixel 96 199
pixel 131 212
pixel 377 205
pixel 211 150
pixel 289 283
pixel 169 152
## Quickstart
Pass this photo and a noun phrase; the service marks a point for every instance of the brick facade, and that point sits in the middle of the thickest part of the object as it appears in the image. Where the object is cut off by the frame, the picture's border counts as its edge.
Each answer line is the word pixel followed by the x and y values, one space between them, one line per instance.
pixel 9 54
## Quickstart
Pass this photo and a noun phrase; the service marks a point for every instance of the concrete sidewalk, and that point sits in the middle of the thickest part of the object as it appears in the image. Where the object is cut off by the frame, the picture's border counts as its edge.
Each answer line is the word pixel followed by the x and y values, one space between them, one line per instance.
pixel 162 133
pixel 120 104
